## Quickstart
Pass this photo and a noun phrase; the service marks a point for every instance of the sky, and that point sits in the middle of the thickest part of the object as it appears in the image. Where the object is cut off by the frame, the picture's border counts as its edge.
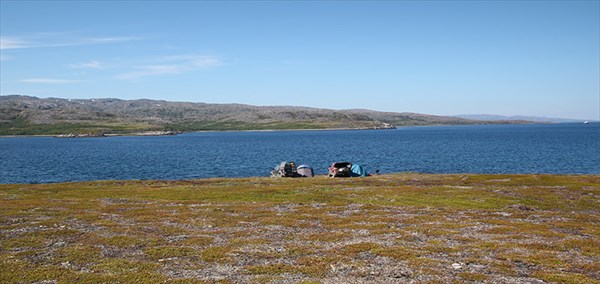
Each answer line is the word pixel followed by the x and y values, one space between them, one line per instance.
pixel 537 58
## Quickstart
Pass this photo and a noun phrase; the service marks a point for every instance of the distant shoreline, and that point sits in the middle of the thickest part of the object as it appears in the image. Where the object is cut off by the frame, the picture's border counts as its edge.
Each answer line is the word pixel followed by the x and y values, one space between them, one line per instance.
pixel 257 130
pixel 318 177
pixel 98 117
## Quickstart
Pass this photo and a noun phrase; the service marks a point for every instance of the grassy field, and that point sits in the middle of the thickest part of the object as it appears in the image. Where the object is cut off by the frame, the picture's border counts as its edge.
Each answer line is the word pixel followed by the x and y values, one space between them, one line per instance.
pixel 388 228
pixel 21 127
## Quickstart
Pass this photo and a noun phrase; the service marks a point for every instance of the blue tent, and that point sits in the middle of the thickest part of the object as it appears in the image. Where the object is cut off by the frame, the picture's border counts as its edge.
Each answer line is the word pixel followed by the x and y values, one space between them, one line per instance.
pixel 358 171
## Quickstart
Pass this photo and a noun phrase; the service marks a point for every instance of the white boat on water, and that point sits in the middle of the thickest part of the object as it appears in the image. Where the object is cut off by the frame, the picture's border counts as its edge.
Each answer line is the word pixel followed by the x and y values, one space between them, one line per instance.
pixel 586 122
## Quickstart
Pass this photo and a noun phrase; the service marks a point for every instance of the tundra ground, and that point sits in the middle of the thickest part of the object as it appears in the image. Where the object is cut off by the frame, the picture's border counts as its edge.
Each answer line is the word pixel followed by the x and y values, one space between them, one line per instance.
pixel 398 228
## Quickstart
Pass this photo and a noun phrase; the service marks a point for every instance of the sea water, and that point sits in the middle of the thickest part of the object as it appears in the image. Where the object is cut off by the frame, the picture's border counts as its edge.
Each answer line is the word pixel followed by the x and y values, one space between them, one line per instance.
pixel 570 148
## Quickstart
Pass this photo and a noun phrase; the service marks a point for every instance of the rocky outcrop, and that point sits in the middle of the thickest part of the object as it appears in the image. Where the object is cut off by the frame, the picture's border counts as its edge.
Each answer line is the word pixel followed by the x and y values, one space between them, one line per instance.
pixel 156 133
pixel 146 133
pixel 81 135
pixel 385 126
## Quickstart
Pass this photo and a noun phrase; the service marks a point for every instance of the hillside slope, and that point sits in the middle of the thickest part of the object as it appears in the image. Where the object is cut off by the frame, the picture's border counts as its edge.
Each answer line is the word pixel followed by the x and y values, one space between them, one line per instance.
pixel 22 115
pixel 542 119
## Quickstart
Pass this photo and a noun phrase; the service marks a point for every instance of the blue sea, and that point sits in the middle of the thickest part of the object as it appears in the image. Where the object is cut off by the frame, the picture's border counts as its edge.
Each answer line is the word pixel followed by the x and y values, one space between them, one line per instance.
pixel 570 148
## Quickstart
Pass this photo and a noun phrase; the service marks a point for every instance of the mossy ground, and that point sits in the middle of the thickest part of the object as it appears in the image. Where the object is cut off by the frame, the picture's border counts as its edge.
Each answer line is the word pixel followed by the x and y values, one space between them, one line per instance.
pixel 388 228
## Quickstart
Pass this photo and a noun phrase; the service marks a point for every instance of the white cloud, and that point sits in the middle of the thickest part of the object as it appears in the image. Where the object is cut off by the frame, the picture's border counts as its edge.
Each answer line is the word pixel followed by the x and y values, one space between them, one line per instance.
pixel 93 64
pixel 13 43
pixel 200 61
pixel 101 40
pixel 172 65
pixel 49 81
pixel 56 40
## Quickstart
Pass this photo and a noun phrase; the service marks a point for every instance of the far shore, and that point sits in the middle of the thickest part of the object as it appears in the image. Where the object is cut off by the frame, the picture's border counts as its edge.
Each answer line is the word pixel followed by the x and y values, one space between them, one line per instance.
pixel 246 130
pixel 198 131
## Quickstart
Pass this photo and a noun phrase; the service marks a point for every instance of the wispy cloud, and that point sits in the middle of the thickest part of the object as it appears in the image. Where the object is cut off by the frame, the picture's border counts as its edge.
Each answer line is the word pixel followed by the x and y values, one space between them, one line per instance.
pixel 13 43
pixel 49 81
pixel 201 61
pixel 102 40
pixel 93 64
pixel 56 40
pixel 172 65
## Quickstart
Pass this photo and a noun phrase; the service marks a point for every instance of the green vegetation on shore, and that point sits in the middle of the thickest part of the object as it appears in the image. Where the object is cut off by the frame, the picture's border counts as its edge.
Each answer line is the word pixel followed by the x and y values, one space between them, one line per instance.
pixel 22 127
pixel 388 228
pixel 19 127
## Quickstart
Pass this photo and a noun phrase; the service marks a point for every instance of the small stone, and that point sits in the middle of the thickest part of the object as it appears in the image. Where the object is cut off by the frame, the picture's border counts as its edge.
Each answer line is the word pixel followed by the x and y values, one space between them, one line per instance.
pixel 66 264
pixel 400 274
pixel 59 244
pixel 476 266
pixel 457 265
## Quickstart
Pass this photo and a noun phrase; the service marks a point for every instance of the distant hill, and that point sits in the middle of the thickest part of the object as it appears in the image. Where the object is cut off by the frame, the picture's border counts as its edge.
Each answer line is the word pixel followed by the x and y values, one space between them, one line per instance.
pixel 491 117
pixel 26 115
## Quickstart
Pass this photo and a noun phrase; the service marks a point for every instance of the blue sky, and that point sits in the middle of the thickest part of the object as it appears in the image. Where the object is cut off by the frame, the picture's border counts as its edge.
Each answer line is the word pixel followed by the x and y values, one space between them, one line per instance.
pixel 436 57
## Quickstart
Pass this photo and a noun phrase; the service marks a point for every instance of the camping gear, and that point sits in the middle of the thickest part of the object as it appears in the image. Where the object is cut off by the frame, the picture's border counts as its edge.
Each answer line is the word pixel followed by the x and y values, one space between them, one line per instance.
pixel 358 171
pixel 285 169
pixel 306 171
pixel 339 169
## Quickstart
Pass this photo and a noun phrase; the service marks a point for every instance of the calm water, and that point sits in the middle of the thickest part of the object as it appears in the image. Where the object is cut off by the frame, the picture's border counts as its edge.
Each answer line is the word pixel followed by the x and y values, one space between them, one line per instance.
pixel 555 148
